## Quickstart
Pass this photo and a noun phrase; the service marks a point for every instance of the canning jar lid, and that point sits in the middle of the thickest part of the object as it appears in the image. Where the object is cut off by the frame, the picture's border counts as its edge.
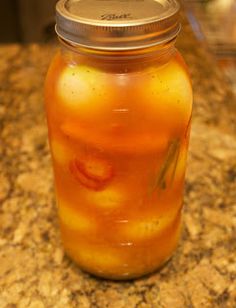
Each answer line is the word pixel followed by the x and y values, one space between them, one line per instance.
pixel 117 24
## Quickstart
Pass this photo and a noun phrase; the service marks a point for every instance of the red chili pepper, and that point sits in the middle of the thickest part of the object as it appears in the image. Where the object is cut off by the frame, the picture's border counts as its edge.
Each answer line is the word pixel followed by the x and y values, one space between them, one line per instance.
pixel 92 172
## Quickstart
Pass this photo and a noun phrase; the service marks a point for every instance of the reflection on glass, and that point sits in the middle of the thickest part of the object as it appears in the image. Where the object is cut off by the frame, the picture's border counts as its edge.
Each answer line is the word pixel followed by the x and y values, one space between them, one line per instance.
pixel 214 22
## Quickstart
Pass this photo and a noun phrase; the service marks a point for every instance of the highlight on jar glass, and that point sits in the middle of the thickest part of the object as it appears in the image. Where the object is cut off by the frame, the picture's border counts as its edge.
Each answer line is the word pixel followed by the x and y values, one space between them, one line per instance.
pixel 118 104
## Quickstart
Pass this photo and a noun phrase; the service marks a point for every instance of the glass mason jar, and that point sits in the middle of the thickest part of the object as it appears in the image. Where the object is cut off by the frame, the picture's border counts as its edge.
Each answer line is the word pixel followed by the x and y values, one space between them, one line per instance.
pixel 118 104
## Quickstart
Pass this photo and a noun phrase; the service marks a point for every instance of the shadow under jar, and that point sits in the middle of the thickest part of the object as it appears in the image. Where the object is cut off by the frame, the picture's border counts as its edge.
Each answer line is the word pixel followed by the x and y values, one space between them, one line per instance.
pixel 118 104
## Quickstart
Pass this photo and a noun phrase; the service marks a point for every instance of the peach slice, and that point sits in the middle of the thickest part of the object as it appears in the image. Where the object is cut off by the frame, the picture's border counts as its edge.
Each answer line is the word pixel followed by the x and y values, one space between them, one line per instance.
pixel 147 227
pixel 60 152
pixel 135 144
pixel 96 259
pixel 168 96
pixel 107 199
pixel 75 220
pixel 83 90
pixel 171 85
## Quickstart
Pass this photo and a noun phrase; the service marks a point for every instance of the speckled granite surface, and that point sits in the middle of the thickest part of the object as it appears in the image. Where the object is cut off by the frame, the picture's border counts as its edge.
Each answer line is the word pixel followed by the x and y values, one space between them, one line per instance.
pixel 33 269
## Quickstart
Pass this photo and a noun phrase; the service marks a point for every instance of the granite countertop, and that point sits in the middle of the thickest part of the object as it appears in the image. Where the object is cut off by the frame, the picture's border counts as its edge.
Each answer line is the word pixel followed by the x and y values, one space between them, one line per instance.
pixel 35 273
